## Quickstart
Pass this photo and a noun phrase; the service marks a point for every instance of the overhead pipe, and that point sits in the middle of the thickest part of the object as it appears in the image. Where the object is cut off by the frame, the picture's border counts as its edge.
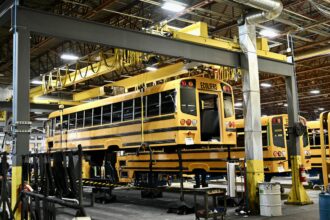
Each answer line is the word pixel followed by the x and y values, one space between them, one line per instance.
pixel 270 9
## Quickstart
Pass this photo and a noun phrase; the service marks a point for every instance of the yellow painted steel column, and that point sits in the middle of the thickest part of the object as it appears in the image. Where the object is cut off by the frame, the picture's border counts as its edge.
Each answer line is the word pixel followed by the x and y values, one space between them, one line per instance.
pixel 255 175
pixel 297 194
pixel 15 185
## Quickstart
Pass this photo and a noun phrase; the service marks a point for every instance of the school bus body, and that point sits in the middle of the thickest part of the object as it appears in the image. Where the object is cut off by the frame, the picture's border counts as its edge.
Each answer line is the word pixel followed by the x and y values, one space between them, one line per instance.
pixel 176 114
pixel 275 152
pixel 314 139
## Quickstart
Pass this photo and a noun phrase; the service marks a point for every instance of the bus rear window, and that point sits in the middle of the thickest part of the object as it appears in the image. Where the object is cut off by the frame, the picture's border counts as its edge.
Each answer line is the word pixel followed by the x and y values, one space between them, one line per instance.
pixel 228 105
pixel 278 132
pixel 188 100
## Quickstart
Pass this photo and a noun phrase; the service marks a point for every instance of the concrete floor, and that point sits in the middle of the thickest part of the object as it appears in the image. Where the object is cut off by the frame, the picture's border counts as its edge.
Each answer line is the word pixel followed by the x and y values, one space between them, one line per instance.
pixel 130 205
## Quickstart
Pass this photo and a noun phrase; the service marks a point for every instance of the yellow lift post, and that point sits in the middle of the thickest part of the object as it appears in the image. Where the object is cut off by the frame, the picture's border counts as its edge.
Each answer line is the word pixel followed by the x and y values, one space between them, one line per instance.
pixel 324 138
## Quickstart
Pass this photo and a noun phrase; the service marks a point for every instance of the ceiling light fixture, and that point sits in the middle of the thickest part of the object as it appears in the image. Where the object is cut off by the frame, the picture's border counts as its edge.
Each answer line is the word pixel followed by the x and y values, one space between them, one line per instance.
pixel 151 68
pixel 266 85
pixel 67 56
pixel 41 119
pixel 285 105
pixel 269 33
pixel 315 91
pixel 36 82
pixel 238 104
pixel 173 6
pixel 321 109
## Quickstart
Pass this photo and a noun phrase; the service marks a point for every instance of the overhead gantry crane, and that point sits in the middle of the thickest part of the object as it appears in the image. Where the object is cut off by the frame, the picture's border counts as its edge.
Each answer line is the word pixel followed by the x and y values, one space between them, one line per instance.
pixel 26 21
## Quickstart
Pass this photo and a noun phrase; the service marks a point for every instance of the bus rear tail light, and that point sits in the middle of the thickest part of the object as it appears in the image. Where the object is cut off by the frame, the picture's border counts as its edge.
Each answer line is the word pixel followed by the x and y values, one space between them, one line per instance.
pixel 188 122
pixel 183 83
pixel 226 89
pixel 194 122
pixel 275 154
pixel 182 122
pixel 231 124
pixel 190 84
pixel 279 154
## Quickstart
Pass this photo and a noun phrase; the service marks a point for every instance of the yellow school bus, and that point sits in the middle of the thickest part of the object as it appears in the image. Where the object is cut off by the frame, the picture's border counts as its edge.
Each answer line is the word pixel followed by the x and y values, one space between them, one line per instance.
pixel 314 139
pixel 183 124
pixel 305 149
pixel 324 142
pixel 274 144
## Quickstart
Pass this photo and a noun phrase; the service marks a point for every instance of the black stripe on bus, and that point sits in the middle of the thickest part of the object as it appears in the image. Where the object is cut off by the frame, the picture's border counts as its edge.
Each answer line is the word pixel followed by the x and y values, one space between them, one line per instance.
pixel 132 133
pixel 137 121
pixel 190 151
pixel 318 156
pixel 274 158
pixel 150 142
pixel 316 164
pixel 154 168
pixel 218 168
pixel 243 149
pixel 202 160
pixel 308 157
pixel 183 160
pixel 317 147
pixel 84 147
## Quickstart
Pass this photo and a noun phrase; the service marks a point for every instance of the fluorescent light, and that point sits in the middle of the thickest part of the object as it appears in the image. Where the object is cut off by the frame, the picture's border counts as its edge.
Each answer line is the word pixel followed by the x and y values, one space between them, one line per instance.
pixel 174 6
pixel 315 91
pixel 238 104
pixel 321 109
pixel 268 33
pixel 285 105
pixel 1 74
pixel 38 113
pixel 66 56
pixel 41 119
pixel 36 82
pixel 151 68
pixel 266 85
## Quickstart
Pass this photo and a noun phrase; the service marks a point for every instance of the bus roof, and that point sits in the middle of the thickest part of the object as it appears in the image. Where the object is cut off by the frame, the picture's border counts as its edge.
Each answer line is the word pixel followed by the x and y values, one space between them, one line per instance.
pixel 264 120
pixel 129 95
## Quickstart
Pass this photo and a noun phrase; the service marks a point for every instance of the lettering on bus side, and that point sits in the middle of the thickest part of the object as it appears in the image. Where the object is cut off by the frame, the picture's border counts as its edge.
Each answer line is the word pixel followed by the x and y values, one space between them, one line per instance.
pixel 208 86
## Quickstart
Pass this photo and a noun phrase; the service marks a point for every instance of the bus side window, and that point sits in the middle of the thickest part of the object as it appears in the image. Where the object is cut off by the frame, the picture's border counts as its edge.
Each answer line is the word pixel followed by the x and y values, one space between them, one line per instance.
pixel 167 102
pixel 137 108
pixel 72 121
pixel 97 117
pixel 128 110
pixel 106 116
pixel 80 119
pixel 116 112
pixel 88 117
pixel 57 124
pixel 153 105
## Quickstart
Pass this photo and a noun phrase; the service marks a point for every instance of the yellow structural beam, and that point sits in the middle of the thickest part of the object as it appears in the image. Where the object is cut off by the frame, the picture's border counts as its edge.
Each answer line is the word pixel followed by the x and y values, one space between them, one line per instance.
pixel 54 102
pixel 197 29
pixel 134 81
pixel 105 66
